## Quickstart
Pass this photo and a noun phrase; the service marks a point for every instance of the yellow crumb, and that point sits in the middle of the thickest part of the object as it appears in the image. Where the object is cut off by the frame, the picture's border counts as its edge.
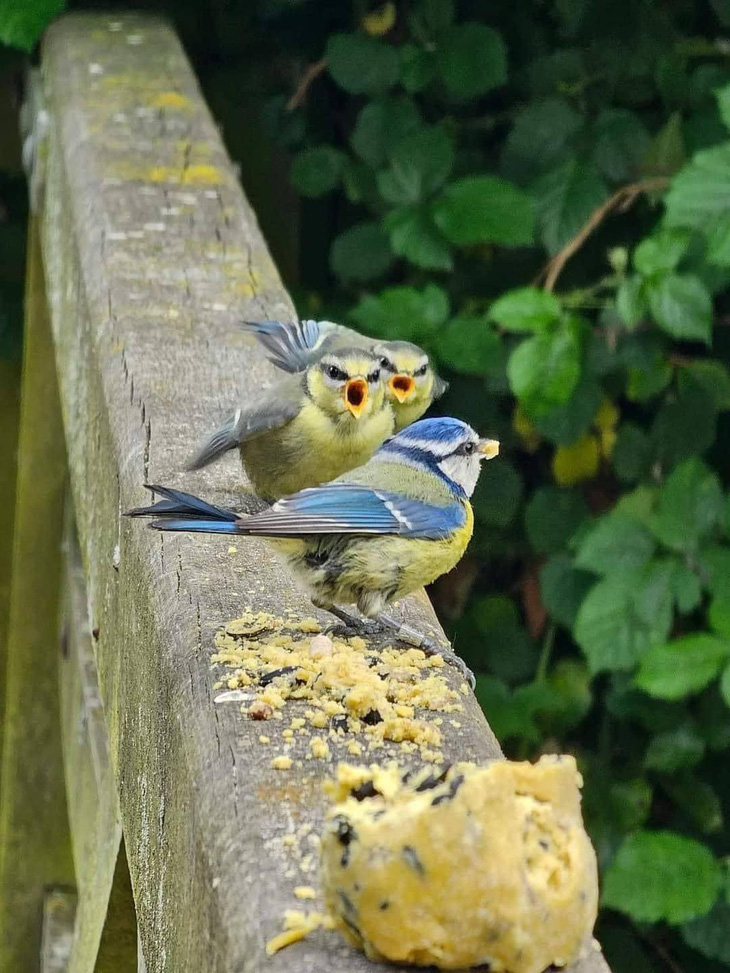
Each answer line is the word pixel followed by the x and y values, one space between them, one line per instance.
pixel 297 926
pixel 319 748
pixel 281 763
pixel 264 739
pixel 305 892
pixel 232 549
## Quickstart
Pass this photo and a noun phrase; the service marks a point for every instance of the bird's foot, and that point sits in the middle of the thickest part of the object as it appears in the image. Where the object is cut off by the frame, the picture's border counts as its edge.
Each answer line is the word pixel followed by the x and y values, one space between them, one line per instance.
pixel 427 644
pixel 352 625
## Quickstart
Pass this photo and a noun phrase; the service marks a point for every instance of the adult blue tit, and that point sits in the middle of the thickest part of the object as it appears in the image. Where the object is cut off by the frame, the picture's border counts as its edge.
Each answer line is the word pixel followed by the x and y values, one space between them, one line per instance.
pixel 412 383
pixel 372 536
pixel 310 427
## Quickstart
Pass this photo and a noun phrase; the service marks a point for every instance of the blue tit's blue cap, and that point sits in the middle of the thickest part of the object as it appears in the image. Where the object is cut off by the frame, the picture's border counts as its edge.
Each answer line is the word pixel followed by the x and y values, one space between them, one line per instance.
pixel 440 435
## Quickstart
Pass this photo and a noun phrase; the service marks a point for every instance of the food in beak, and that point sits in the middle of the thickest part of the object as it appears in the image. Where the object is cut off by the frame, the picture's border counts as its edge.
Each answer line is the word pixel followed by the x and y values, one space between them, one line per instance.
pixel 356 395
pixel 402 387
pixel 488 448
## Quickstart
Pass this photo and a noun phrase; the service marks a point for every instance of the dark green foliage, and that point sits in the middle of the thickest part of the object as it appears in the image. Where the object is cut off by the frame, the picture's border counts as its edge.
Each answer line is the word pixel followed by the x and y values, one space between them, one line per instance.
pixel 482 141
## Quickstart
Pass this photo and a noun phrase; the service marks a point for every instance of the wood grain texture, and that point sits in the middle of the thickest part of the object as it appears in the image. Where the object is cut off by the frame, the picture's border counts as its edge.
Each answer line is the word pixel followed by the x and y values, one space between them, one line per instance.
pixel 152 253
pixel 34 845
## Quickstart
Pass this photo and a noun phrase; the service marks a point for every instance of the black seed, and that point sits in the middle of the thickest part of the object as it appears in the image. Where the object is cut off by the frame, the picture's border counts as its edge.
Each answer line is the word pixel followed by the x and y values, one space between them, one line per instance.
pixel 346 902
pixel 275 673
pixel 433 780
pixel 454 786
pixel 345 858
pixel 339 723
pixel 384 905
pixel 365 790
pixel 411 856
pixel 372 718
pixel 544 844
pixel 344 830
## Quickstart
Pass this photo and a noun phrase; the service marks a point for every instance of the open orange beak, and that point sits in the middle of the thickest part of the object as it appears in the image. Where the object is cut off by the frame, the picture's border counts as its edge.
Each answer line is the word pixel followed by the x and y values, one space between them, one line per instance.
pixel 356 395
pixel 488 448
pixel 402 387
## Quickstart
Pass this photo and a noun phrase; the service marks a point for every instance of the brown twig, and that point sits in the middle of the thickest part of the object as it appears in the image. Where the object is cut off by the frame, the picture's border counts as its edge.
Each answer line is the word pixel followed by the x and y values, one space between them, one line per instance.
pixel 621 200
pixel 310 75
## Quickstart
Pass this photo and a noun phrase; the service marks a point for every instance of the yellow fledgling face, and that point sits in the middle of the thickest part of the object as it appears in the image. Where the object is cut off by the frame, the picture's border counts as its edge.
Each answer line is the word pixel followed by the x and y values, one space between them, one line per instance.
pixel 411 381
pixel 347 384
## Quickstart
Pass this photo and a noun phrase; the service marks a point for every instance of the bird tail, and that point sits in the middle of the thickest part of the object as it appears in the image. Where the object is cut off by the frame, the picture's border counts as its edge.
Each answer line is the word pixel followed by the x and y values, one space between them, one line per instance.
pixel 183 511
pixel 290 344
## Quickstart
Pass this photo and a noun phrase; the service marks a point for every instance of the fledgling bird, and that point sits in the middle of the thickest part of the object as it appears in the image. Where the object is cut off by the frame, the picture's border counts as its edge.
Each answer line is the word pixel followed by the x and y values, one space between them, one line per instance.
pixel 372 536
pixel 411 380
pixel 310 427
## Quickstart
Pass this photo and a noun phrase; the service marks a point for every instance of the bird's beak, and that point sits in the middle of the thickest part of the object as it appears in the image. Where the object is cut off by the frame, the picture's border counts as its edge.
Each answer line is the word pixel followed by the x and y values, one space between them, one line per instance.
pixel 402 387
pixel 356 395
pixel 488 448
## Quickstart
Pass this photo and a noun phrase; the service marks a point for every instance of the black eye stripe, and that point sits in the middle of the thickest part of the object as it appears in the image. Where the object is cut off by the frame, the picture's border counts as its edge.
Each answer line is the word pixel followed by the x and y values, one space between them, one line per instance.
pixel 374 376
pixel 422 370
pixel 335 373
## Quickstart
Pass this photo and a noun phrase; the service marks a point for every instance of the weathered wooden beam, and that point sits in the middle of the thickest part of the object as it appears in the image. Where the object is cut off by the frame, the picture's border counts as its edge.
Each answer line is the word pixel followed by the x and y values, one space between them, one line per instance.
pixel 105 928
pixel 34 847
pixel 152 253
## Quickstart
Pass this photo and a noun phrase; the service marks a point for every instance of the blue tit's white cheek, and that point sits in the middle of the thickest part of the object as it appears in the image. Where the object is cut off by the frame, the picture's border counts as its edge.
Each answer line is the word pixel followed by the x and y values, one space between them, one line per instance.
pixel 463 470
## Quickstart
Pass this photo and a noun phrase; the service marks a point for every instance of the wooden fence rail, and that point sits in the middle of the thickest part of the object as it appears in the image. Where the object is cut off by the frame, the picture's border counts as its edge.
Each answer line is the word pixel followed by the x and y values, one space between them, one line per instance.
pixel 143 254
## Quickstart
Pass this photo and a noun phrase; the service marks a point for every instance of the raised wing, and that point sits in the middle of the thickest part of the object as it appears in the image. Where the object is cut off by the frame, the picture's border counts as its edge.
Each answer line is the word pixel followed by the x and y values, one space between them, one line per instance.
pixel 280 405
pixel 291 344
pixel 344 508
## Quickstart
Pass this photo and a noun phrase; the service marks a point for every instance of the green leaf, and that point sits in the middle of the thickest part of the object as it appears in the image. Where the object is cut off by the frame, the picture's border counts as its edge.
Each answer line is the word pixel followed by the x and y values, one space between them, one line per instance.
pixel 568 422
pixel 682 306
pixel 469 344
pixel 700 194
pixel 21 24
pixel 526 309
pixel 435 15
pixel 684 426
pixel 710 934
pixel 686 588
pixel 417 67
pixel 619 143
pixel 402 312
pixel 661 252
pixel 485 209
pixel 552 516
pixel 506 717
pixel 510 652
pixel 713 377
pixel 696 798
pixel 415 236
pixel 544 370
pixel 570 682
pixel 472 60
pixel 565 198
pixel 725 684
pixel 419 165
pixel 631 455
pixel 542 134
pixel 563 588
pixel 497 495
pixel 361 253
pixel 318 170
pixel 380 127
pixel 615 544
pixel 632 301
pixel 718 242
pixel 362 65
pixel 623 616
pixel 666 153
pixel 675 749
pixel 691 505
pixel 659 875
pixel 718 614
pixel 682 667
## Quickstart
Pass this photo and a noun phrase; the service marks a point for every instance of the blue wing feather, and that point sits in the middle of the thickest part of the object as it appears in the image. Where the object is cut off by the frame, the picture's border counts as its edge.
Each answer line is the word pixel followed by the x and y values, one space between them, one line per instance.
pixel 343 508
pixel 290 344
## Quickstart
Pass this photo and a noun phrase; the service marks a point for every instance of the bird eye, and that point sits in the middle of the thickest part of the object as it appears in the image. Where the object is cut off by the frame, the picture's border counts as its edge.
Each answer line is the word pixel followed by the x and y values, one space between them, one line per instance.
pixel 469 448
pixel 374 376
pixel 422 370
pixel 334 372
